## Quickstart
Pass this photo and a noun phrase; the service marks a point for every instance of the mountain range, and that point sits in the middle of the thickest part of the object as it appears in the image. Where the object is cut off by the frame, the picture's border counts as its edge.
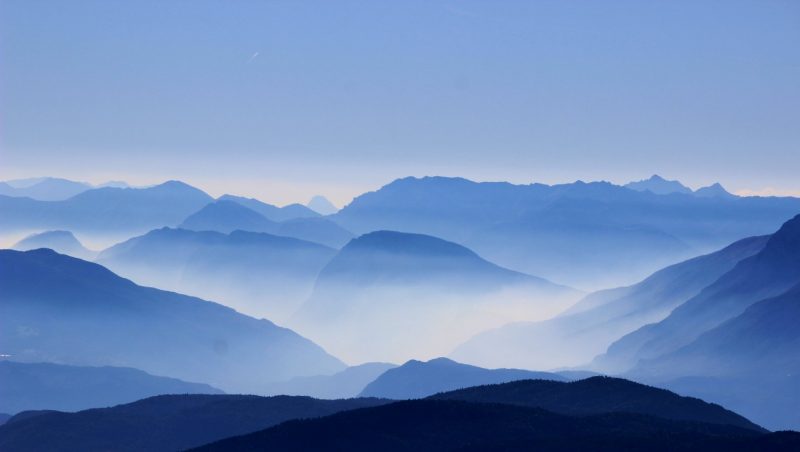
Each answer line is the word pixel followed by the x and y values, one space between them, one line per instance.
pixel 108 211
pixel 587 235
pixel 39 386
pixel 61 309
pixel 385 283
pixel 43 188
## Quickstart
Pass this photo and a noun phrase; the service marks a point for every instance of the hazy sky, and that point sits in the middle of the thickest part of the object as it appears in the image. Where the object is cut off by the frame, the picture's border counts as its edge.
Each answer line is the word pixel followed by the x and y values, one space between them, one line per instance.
pixel 285 99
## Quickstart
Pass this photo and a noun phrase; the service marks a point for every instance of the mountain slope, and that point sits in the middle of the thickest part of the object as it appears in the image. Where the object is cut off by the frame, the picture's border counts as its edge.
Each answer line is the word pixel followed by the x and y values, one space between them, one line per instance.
pixel 768 273
pixel 587 329
pixel 163 423
pixel 384 284
pixel 416 379
pixel 63 242
pixel 256 273
pixel 59 308
pixel 38 386
pixel 750 363
pixel 437 425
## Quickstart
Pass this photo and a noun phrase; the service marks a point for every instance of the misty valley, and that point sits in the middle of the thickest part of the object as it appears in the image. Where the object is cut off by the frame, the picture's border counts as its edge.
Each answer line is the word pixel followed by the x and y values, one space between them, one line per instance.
pixel 434 313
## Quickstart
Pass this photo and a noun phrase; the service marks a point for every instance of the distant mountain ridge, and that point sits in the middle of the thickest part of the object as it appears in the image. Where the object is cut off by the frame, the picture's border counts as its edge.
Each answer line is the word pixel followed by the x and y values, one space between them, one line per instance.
pixel 659 186
pixel 582 234
pixel 105 211
pixel 38 386
pixel 227 216
pixel 43 188
pixel 416 379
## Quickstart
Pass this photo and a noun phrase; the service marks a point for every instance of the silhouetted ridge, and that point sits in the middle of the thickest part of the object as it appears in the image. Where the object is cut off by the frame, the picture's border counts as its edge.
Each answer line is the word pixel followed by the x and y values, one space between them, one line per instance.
pixel 162 423
pixel 597 395
pixel 435 425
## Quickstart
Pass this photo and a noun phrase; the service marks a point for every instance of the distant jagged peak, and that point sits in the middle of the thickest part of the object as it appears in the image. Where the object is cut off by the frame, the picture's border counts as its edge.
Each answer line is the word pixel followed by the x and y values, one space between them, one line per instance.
pixel 659 186
pixel 322 205
pixel 715 190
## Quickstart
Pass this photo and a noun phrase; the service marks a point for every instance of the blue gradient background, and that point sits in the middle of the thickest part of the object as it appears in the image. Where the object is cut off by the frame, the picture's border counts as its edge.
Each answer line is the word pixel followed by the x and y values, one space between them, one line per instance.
pixel 344 96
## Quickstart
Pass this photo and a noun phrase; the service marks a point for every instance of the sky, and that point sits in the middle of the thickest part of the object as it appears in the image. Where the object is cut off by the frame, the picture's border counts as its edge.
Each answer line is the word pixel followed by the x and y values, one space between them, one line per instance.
pixel 286 99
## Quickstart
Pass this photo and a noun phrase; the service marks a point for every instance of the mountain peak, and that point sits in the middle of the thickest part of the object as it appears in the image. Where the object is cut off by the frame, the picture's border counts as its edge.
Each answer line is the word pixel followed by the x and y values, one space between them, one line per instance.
pixel 321 205
pixel 716 190
pixel 659 186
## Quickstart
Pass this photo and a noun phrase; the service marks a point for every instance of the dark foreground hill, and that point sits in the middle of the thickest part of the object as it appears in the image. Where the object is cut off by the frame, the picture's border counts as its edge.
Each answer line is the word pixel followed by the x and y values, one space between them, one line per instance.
pixel 162 423
pixel 597 395
pixel 438 425
pixel 37 386
pixel 528 413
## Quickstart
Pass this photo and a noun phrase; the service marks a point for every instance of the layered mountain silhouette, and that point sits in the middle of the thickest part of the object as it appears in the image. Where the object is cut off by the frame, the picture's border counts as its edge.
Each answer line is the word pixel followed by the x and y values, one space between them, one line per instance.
pixel 593 414
pixel 770 272
pixel 257 273
pixel 587 329
pixel 384 284
pixel 106 211
pixel 58 308
pixel 63 242
pixel 583 234
pixel 43 188
pixel 322 205
pixel 39 386
pixel 417 379
pixel 162 423
pixel 271 212
pixel 341 385
pixel 228 216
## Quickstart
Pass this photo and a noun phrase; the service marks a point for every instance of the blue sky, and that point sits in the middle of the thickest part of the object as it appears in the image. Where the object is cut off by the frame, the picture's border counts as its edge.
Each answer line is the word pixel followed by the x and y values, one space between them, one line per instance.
pixel 285 99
